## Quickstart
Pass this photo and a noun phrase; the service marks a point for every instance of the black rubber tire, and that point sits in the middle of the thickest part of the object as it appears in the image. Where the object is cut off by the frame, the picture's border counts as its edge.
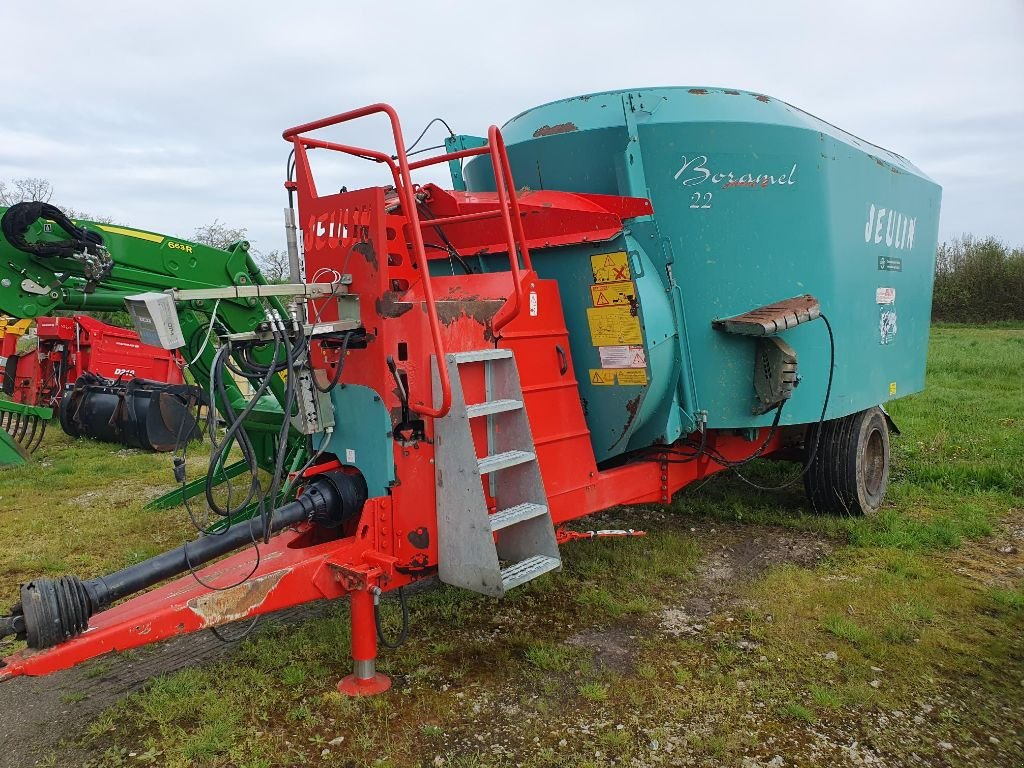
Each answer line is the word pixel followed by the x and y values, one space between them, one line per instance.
pixel 850 472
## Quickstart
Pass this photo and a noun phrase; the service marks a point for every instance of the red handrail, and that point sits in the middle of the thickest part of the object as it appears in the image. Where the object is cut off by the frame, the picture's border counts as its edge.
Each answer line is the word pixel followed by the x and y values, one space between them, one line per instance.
pixel 501 186
pixel 402 176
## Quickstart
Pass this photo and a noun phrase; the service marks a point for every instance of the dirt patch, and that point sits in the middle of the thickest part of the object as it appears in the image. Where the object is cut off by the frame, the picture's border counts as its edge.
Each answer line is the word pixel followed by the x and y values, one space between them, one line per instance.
pixel 40 713
pixel 613 648
pixel 997 560
pixel 733 556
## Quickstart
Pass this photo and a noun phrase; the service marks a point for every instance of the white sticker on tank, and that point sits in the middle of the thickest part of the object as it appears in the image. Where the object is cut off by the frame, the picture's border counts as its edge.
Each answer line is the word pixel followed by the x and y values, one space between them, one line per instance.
pixel 623 356
pixel 350 456
pixel 885 296
pixel 533 303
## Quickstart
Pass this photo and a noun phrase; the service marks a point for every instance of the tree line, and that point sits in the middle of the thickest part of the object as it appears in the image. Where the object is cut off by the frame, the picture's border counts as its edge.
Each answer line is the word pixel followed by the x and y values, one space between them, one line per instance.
pixel 978 281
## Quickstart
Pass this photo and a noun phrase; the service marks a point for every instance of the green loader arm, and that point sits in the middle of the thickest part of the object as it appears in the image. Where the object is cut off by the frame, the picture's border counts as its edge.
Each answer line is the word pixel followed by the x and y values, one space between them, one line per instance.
pixel 53 263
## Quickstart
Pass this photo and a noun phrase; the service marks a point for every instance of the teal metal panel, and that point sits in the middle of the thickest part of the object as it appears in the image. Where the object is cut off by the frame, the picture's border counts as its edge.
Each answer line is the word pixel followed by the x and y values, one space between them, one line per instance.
pixel 362 436
pixel 754 201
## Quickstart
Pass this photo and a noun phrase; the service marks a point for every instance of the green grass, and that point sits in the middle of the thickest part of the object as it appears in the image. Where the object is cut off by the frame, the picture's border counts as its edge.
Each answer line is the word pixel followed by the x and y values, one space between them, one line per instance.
pixel 91 494
pixel 912 606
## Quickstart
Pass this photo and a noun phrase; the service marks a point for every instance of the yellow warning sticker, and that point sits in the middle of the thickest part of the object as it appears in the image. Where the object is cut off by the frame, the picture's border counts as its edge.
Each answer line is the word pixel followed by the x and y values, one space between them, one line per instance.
pixel 610 267
pixel 631 376
pixel 607 294
pixel 613 325
pixel 892 389
pixel 604 377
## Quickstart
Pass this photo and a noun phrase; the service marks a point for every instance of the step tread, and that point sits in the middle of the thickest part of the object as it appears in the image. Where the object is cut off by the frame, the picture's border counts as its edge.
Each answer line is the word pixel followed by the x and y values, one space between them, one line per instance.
pixel 480 355
pixel 527 570
pixel 489 407
pixel 517 514
pixel 496 461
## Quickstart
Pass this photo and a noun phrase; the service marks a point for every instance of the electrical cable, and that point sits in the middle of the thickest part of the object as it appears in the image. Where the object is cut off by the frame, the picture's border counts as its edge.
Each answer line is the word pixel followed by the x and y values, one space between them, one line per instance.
pixel 338 368
pixel 718 458
pixel 425 149
pixel 423 133
pixel 403 634
pixel 209 333
pixel 821 420
pixel 424 209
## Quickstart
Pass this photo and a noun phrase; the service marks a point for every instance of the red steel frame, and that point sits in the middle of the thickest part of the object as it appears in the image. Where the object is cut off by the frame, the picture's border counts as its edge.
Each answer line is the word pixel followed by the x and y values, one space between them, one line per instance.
pixel 457 313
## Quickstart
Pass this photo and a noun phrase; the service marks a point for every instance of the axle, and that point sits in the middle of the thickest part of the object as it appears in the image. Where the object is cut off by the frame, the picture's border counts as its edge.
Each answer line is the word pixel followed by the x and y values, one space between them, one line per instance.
pixel 53 610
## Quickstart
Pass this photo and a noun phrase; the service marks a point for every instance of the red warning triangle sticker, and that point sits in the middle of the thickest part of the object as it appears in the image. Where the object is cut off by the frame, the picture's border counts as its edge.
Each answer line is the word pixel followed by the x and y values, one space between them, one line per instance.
pixel 601 300
pixel 638 360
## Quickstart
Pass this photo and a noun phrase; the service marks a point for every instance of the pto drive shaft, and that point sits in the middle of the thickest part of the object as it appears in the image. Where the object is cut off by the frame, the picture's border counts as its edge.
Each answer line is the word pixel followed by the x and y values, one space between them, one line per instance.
pixel 54 610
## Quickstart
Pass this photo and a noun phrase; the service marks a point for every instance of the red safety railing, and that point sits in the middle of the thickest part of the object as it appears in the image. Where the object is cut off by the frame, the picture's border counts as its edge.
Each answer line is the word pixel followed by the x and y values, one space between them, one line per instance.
pixel 508 210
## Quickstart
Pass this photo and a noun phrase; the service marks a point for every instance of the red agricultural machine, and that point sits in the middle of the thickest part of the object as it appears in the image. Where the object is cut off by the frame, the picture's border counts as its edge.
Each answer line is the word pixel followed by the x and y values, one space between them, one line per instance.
pixel 101 379
pixel 68 347
pixel 470 369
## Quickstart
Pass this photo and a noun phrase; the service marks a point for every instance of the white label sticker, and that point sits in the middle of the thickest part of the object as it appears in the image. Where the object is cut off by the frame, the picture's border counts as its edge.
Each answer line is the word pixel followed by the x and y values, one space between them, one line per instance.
pixel 885 296
pixel 622 356
pixel 533 303
pixel 350 456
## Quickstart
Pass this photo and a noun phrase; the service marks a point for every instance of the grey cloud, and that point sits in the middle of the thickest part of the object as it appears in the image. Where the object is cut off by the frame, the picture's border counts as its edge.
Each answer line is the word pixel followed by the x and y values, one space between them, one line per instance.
pixel 167 116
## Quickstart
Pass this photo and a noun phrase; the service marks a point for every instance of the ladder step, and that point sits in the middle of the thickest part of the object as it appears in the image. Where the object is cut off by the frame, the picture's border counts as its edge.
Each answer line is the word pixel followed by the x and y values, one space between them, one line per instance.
pixel 480 355
pixel 504 460
pixel 525 570
pixel 517 514
pixel 492 406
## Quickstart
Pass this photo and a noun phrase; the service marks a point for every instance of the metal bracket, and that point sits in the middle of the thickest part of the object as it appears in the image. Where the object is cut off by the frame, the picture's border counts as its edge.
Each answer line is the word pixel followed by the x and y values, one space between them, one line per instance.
pixel 307 290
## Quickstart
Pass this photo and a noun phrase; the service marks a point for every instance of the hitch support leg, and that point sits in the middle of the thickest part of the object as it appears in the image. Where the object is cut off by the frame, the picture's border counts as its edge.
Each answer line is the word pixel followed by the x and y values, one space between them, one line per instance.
pixel 365 680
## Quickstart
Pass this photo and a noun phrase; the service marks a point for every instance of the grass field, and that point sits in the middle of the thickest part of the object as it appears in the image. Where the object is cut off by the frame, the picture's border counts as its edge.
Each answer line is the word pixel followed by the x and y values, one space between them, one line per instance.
pixel 742 630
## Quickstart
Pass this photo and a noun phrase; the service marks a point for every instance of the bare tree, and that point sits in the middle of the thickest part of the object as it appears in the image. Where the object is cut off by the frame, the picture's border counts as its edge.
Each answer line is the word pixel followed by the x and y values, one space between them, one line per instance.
pixel 273 264
pixel 40 190
pixel 219 235
pixel 21 190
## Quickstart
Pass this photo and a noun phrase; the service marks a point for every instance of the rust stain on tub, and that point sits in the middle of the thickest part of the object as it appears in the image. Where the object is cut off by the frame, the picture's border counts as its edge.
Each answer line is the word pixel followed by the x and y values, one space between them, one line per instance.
pixel 237 602
pixel 552 130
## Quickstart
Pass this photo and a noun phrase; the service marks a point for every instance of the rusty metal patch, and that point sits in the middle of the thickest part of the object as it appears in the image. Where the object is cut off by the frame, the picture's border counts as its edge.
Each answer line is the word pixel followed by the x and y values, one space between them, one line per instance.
pixel 632 407
pixel 551 130
pixel 699 91
pixel 236 603
pixel 771 318
pixel 763 99
pixel 480 310
pixel 389 306
pixel 366 251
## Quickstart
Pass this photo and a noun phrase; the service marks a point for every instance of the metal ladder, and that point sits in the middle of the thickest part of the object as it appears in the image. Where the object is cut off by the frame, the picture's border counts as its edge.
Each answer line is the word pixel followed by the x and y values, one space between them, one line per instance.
pixel 473 544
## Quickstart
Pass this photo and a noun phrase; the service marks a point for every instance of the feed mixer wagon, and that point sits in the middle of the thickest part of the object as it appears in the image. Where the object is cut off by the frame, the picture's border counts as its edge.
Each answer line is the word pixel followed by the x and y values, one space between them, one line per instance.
pixel 621 294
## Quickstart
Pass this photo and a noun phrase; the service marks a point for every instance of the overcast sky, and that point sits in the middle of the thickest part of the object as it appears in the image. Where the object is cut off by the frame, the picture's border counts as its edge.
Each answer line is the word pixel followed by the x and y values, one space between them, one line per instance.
pixel 168 115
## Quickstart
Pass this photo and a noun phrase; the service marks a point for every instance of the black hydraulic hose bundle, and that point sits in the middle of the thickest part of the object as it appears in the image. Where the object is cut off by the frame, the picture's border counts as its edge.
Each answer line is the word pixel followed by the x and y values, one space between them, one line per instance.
pixel 21 216
pixel 236 431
